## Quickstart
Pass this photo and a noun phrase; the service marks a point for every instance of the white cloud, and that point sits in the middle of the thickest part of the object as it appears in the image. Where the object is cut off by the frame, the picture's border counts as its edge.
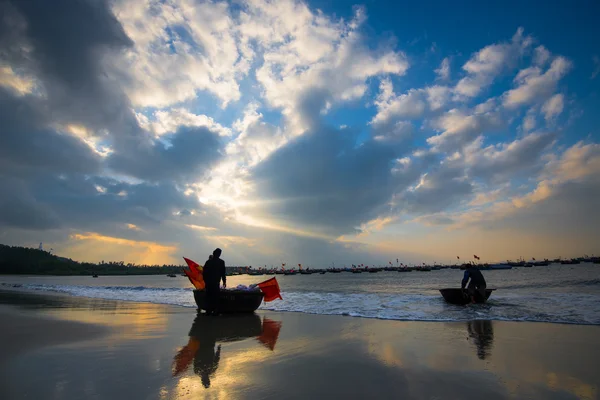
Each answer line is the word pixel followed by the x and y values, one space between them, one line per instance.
pixel 541 55
pixel 410 105
pixel 443 72
pixel 168 121
pixel 485 65
pixel 535 86
pixel 180 47
pixel 322 56
pixel 553 107
pixel 460 127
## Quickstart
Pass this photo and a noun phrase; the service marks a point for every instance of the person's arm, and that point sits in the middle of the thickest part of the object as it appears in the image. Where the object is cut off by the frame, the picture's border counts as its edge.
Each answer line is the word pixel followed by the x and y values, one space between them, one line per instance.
pixel 465 280
pixel 223 274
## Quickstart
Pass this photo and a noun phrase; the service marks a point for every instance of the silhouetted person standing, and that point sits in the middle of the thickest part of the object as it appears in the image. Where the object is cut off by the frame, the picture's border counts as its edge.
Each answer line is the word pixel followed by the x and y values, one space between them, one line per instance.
pixel 213 272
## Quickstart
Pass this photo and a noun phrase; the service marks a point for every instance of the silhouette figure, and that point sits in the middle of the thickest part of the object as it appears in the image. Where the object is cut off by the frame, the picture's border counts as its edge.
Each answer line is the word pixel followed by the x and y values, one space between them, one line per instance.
pixel 213 273
pixel 482 333
pixel 207 334
pixel 477 285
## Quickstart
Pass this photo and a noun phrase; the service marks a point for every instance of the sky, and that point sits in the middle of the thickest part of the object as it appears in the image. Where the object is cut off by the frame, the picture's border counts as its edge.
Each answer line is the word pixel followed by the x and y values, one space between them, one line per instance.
pixel 311 133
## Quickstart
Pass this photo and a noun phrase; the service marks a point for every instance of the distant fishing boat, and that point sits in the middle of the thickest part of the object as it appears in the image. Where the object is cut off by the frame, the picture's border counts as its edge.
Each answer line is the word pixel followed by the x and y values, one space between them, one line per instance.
pixel 171 275
pixel 570 262
pixel 500 266
pixel 95 276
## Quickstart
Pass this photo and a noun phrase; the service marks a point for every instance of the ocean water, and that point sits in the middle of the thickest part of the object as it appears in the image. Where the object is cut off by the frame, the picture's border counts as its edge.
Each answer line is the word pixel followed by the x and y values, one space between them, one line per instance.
pixel 556 293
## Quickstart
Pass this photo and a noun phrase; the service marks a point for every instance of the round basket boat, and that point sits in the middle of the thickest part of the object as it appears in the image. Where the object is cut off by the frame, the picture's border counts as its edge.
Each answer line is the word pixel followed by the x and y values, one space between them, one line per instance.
pixel 232 301
pixel 457 296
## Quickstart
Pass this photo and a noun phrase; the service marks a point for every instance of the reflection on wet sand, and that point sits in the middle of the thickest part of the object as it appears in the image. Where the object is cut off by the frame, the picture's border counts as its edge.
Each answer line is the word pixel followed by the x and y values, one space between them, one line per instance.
pixel 482 333
pixel 207 334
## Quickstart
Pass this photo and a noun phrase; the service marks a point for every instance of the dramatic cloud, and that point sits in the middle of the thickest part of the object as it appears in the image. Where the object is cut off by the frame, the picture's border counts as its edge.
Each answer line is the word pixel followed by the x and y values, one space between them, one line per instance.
pixel 323 180
pixel 147 129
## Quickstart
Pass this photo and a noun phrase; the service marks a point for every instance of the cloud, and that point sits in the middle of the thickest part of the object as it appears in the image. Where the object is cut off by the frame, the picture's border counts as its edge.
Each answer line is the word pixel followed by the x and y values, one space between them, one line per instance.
pixel 506 161
pixel 460 127
pixel 29 143
pixel 92 246
pixel 335 70
pixel 168 121
pixel 413 104
pixel 541 55
pixel 323 181
pixel 553 107
pixel 443 72
pixel 565 190
pixel 443 187
pixel 535 86
pixel 485 65
pixel 191 151
pixel 201 228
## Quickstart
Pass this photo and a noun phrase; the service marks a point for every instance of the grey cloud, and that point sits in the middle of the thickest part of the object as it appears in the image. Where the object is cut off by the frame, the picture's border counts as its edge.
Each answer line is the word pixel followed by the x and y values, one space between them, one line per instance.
pixel 66 43
pixel 67 47
pixel 20 209
pixel 27 142
pixel 515 159
pixel 190 152
pixel 460 129
pixel 440 189
pixel 323 179
pixel 77 201
pixel 570 215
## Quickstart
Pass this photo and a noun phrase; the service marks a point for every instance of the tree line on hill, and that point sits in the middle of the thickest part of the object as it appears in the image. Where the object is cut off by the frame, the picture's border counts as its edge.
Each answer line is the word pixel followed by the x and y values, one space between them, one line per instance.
pixel 22 260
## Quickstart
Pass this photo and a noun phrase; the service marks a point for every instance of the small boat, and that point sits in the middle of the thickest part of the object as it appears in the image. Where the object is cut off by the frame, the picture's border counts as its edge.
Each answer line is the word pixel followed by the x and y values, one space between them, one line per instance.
pixel 500 266
pixel 232 301
pixel 457 296
pixel 171 275
pixel 322 272
pixel 95 276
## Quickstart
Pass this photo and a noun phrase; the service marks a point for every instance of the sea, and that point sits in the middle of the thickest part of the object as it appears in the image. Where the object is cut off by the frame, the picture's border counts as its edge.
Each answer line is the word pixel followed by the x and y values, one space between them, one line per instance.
pixel 566 294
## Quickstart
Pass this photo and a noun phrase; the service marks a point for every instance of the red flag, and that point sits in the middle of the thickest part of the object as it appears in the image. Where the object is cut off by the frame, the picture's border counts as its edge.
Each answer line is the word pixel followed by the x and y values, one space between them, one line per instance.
pixel 270 288
pixel 270 333
pixel 194 274
pixel 184 357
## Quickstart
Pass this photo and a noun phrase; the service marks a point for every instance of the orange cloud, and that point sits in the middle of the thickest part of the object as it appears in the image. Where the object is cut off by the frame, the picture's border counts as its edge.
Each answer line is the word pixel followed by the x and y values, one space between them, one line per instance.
pixel 91 246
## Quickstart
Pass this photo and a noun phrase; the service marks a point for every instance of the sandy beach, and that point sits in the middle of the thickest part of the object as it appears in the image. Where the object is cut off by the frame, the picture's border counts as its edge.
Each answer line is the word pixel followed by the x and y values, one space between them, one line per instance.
pixel 62 347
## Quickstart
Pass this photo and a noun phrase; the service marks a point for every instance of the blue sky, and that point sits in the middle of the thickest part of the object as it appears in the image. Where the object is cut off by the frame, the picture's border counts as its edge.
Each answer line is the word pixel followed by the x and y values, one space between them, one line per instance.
pixel 301 132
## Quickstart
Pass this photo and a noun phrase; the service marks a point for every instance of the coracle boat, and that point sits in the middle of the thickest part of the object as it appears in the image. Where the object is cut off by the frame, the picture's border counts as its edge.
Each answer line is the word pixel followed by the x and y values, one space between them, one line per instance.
pixel 232 301
pixel 457 296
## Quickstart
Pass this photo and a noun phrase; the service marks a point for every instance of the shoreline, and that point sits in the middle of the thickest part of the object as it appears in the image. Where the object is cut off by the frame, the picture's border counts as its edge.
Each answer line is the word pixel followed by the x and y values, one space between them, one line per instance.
pixel 17 288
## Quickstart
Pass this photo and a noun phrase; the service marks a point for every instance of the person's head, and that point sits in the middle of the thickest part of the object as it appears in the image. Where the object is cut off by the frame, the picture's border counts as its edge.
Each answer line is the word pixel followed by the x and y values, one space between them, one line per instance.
pixel 217 253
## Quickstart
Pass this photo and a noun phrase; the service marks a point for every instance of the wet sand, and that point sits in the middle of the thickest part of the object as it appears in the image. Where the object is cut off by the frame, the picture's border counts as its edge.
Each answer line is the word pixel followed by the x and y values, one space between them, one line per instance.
pixel 58 347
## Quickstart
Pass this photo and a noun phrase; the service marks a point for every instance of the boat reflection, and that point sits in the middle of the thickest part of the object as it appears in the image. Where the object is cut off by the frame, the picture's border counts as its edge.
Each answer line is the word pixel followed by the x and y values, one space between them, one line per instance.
pixel 207 334
pixel 482 333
